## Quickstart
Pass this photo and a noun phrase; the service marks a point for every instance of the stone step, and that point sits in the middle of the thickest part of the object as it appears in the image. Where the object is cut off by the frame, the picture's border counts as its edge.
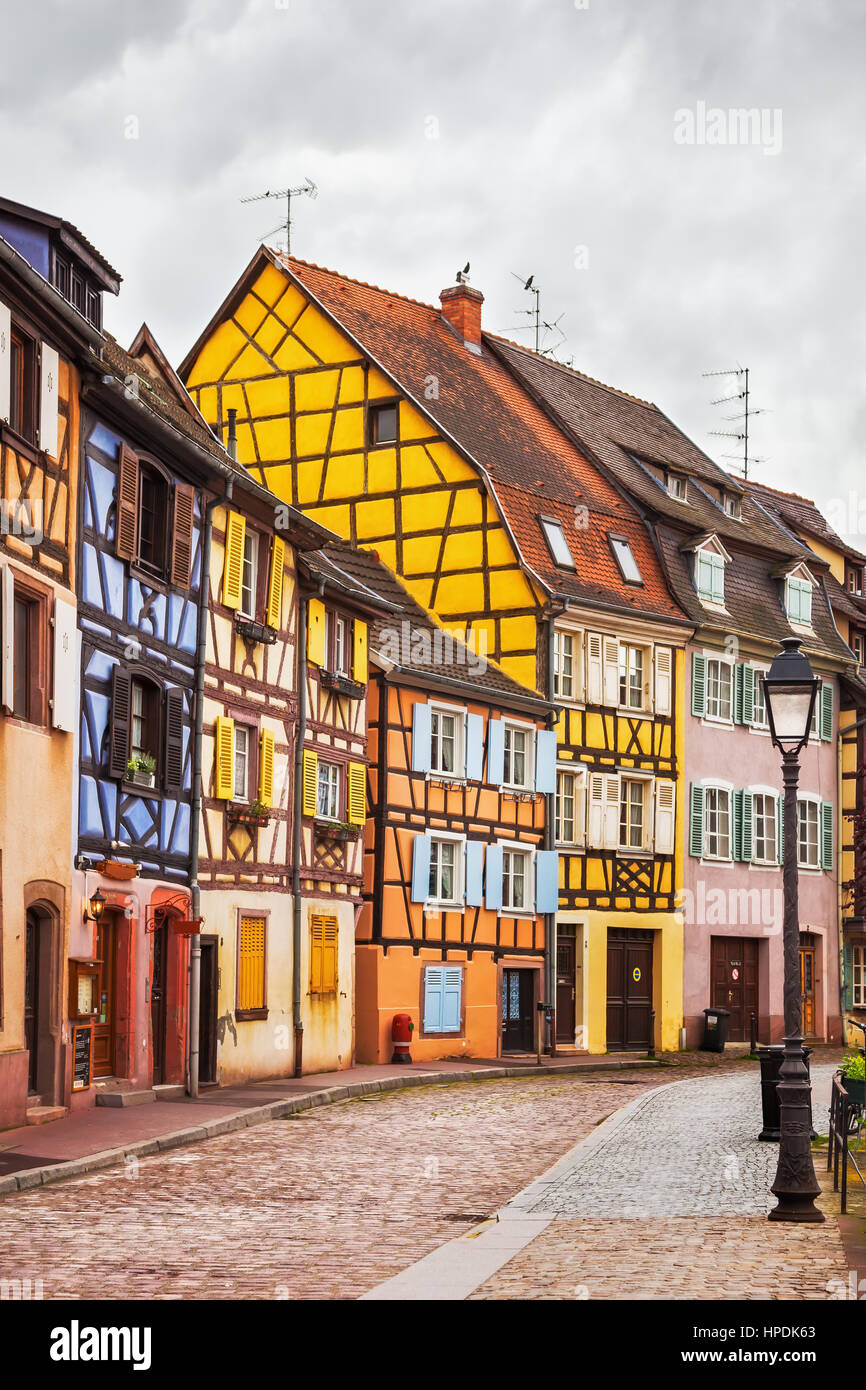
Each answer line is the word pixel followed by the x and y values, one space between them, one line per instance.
pixel 43 1114
pixel 169 1091
pixel 117 1097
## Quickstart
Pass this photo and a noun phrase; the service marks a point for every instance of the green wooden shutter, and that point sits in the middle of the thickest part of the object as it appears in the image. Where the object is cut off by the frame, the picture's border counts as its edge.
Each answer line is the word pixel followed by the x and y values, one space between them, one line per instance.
pixel 780 824
pixel 748 694
pixel 696 821
pixel 718 579
pixel 826 834
pixel 848 982
pixel 825 718
pixel 737 826
pixel 747 838
pixel 699 685
pixel 738 692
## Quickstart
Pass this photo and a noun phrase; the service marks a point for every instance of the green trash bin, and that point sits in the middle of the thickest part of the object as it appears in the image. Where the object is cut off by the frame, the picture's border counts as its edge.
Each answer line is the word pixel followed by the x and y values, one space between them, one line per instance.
pixel 715 1030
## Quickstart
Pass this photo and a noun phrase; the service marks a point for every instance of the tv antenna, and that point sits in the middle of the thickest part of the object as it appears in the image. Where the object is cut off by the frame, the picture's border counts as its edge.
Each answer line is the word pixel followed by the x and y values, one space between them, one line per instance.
pixel 743 416
pixel 535 314
pixel 308 188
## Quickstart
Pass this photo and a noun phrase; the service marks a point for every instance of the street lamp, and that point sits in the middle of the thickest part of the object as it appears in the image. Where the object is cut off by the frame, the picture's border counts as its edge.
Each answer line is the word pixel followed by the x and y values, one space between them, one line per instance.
pixel 790 688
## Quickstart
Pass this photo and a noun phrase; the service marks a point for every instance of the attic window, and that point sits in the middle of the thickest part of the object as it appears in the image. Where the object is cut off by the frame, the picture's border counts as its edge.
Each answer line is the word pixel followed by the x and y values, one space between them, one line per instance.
pixel 732 505
pixel 383 423
pixel 676 483
pixel 622 553
pixel 798 600
pixel 710 576
pixel 855 581
pixel 558 545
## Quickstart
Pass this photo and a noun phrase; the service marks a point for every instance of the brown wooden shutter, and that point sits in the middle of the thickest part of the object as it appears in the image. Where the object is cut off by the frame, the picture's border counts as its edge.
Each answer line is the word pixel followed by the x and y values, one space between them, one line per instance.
pixel 181 535
pixel 126 527
pixel 173 742
pixel 121 714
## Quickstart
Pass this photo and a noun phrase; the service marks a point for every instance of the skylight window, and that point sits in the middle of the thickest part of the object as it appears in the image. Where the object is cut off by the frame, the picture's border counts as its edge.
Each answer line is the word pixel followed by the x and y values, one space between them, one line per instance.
pixel 558 545
pixel 622 553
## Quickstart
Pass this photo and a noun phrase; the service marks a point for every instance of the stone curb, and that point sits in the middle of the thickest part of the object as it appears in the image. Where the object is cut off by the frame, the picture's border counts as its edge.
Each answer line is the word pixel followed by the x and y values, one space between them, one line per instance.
pixel 30 1178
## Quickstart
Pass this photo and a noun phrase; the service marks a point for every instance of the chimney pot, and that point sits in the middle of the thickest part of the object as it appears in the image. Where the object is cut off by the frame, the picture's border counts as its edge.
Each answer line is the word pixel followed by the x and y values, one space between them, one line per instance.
pixel 461 307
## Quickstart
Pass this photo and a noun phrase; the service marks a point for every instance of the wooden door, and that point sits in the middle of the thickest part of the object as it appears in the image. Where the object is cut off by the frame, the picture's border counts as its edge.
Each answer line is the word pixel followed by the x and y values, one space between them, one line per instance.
pixel 518 1033
pixel 31 1001
pixel 629 989
pixel 565 986
pixel 734 982
pixel 807 990
pixel 207 1019
pixel 103 1028
pixel 157 1003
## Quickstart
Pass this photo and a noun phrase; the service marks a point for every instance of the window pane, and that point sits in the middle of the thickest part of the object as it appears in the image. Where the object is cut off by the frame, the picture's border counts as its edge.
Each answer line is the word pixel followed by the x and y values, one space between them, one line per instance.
pixel 626 561
pixel 555 537
pixel 241 762
pixel 248 582
pixel 21 691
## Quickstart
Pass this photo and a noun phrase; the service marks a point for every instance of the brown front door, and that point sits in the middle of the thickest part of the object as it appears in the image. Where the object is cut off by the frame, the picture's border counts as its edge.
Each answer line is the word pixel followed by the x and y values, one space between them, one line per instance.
pixel 629 989
pixel 157 1004
pixel 807 990
pixel 207 1019
pixel 103 1029
pixel 565 963
pixel 517 1029
pixel 734 982
pixel 31 1001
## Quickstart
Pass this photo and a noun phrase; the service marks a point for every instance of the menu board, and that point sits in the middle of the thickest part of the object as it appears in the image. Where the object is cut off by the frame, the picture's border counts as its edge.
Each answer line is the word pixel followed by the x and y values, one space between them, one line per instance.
pixel 82 1053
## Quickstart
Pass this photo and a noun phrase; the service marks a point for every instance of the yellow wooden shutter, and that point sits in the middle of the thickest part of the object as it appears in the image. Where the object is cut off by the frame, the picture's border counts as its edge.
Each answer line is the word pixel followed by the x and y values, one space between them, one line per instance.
pixel 266 767
pixel 233 565
pixel 224 758
pixel 323 955
pixel 275 582
pixel 357 798
pixel 359 652
pixel 316 631
pixel 311 773
pixel 251 963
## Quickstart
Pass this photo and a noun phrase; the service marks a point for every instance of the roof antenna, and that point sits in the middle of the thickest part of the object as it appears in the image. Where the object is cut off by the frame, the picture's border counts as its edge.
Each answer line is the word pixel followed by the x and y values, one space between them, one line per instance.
pixel 745 415
pixel 535 315
pixel 309 188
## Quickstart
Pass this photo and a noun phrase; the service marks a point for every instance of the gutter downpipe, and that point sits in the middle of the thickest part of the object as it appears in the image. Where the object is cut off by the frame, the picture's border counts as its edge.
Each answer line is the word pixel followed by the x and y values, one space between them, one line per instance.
pixel 298 810
pixel 550 843
pixel 195 816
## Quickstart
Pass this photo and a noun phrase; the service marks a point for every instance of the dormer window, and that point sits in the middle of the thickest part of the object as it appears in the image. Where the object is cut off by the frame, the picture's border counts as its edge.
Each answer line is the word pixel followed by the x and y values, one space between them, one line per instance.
pixel 76 287
pixel 855 580
pixel 732 506
pixel 622 553
pixel 798 598
pixel 677 486
pixel 557 544
pixel 857 646
pixel 710 576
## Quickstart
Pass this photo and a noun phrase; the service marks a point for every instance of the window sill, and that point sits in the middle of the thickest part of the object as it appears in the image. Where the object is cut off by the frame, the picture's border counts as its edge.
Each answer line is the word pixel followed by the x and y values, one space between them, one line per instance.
pixel 719 719
pixel 253 631
pixel 522 913
pixel 336 830
pixel 509 789
pixel 137 789
pixel 433 905
pixel 623 852
pixel 439 1033
pixel 250 1015
pixel 447 779
pixel 20 443
pixel 344 685
pixel 148 577
pixel 569 848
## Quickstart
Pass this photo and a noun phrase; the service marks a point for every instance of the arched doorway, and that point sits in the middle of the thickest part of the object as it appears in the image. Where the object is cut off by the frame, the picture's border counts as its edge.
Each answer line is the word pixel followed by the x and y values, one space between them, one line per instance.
pixel 41 1003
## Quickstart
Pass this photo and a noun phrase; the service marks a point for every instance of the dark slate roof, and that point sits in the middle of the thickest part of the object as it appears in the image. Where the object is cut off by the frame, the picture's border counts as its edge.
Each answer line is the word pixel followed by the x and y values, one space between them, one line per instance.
pixel 71 235
pixel 363 575
pixel 801 514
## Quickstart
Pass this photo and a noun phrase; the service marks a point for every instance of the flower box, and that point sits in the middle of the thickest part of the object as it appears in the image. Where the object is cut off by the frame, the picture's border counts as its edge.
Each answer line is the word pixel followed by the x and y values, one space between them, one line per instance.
pixel 240 814
pixel 336 830
pixel 343 685
pixel 138 778
pixel 255 632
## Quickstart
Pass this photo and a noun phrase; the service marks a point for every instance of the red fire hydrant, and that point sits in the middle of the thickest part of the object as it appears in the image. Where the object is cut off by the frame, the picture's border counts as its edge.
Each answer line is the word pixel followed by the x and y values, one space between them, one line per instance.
pixel 401 1036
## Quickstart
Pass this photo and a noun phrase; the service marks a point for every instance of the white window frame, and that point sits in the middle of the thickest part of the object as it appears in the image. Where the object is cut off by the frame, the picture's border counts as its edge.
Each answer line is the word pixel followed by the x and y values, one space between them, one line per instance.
pixel 528 853
pixel 760 726
pixel 672 485
pixel 529 730
pixel 627 778
pixel 249 564
pixel 646 692
pixel 459 843
pixel 766 794
pixel 859 649
pixel 732 506
pixel 811 800
pixel 579 775
pixel 557 542
pixel 246 732
pixel 625 559
pixel 720 661
pixel 458 714
pixel 576 638
pixel 333 788
pixel 858 988
pixel 726 789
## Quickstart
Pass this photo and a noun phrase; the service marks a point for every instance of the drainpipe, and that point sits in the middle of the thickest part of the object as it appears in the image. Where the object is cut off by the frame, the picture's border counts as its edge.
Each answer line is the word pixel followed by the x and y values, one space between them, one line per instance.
pixel 298 811
pixel 195 809
pixel 550 843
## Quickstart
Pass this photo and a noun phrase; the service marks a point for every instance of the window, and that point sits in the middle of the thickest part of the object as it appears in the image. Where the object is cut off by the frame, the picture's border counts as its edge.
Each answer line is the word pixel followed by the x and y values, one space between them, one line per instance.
pixel 29 656
pixel 154 523
pixel 445 859
pixel 328 791
pixel 807 837
pixel 569 807
pixel 249 575
pixel 622 553
pixel 443 990
pixel 798 600
pixel 518 756
pixel 516 880
pixel 732 505
pixel 242 762
pixel 677 486
pixel 855 581
pixel 759 704
pixel 337 644
pixel 632 818
pixel 252 940
pixel 446 742
pixel 61 276
pixel 857 646
pixel 710 576
pixel 718 689
pixel 144 726
pixel 858 977
pixel 22 385
pixel 383 423
pixel 152 518
pixel 764 811
pixel 324 941
pixel 633 664
pixel 563 666
pixel 557 544
pixel 717 823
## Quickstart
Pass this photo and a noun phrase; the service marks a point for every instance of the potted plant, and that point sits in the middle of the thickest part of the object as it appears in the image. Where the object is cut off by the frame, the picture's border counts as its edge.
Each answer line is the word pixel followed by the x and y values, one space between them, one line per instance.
pixel 337 830
pixel 854 1077
pixel 142 770
pixel 253 813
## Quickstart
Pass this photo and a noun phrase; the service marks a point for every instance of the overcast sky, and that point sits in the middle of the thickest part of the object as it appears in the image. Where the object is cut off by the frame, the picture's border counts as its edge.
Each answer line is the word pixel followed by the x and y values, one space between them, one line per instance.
pixel 527 136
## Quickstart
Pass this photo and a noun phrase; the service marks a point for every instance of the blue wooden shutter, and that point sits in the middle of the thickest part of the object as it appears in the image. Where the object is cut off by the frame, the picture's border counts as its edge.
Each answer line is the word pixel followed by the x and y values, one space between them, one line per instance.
pixel 826 834
pixel 452 989
pixel 737 826
pixel 825 718
pixel 433 993
pixel 495 752
pixel 696 820
pixel 699 685
pixel 421 735
pixel 474 747
pixel 546 880
pixel 493 877
pixel 474 873
pixel 421 868
pixel 545 760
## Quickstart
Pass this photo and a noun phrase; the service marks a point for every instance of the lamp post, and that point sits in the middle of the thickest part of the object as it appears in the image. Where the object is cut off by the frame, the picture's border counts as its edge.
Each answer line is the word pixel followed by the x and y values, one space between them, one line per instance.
pixel 790 688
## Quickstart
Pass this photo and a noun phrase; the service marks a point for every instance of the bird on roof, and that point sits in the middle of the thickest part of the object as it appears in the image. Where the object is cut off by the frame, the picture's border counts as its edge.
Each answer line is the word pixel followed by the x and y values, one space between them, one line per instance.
pixel 528 285
pixel 463 275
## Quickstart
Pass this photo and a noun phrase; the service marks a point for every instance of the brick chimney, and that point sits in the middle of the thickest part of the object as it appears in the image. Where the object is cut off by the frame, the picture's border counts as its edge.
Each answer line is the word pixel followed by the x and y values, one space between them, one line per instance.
pixel 461 306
